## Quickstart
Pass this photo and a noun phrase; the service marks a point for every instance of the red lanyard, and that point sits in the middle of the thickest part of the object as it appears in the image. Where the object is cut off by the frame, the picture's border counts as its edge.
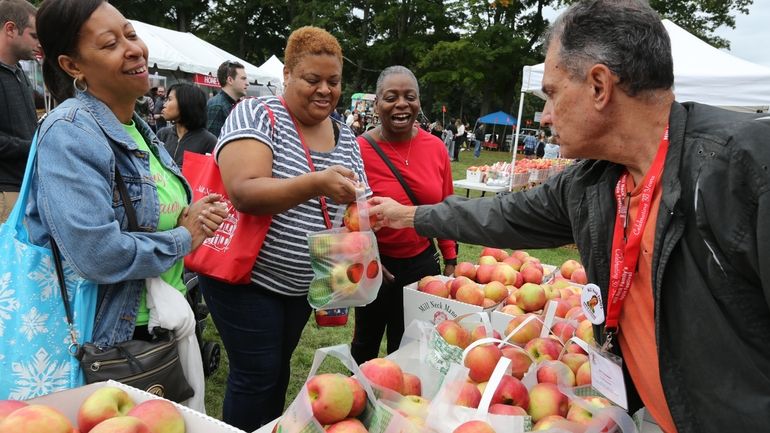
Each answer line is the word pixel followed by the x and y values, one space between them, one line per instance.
pixel 625 246
pixel 321 198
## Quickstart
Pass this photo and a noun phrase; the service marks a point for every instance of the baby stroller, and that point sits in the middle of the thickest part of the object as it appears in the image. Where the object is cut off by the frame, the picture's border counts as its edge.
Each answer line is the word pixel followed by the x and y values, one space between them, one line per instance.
pixel 210 351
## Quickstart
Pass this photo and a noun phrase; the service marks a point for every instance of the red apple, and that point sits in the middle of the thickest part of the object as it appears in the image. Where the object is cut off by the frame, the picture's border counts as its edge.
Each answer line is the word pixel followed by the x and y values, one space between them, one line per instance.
pixel 355 272
pixel 583 416
pixel 385 373
pixel 529 331
pixel 563 330
pixel 465 269
pixel 496 290
pixel 470 294
pixel 121 424
pixel 160 416
pixel 555 372
pixel 8 406
pixel 469 395
pixel 349 425
pixel 454 334
pixel 512 310
pixel 530 297
pixel 102 404
pixel 436 288
pixel 574 361
pixel 579 276
pixel 545 399
pixel 497 253
pixel 520 360
pixel 504 409
pixel 568 267
pixel 487 260
pixel 457 283
pixel 576 314
pixel 35 418
pixel 504 274
pixel 585 332
pixel 481 361
pixel 474 427
pixel 531 274
pixel 484 273
pixel 425 280
pixel 412 385
pixel 354 245
pixel 583 376
pixel 544 349
pixel 331 397
pixel 480 331
pixel 352 217
pixel 513 262
pixel 512 392
pixel 520 254
pixel 359 397
pixel 372 269
pixel 551 422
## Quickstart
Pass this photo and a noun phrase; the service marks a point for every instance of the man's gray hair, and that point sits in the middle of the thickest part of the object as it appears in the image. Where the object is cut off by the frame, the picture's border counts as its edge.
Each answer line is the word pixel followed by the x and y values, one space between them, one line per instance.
pixel 16 11
pixel 625 35
pixel 395 70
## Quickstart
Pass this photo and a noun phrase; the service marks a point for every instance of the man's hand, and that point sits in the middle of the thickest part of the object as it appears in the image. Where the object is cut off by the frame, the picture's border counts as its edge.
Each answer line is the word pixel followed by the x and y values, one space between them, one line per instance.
pixel 391 214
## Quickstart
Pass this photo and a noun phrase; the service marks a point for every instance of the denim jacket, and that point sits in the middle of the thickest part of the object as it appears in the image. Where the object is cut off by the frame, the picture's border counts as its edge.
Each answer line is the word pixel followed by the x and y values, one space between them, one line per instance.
pixel 74 199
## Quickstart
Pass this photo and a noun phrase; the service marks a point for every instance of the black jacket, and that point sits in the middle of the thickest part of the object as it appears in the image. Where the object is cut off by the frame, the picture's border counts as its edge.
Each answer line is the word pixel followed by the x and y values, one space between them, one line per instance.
pixel 17 125
pixel 198 141
pixel 711 263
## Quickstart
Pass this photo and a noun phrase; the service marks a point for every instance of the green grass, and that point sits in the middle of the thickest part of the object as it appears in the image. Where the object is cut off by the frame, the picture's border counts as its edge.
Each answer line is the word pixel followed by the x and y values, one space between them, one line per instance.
pixel 315 337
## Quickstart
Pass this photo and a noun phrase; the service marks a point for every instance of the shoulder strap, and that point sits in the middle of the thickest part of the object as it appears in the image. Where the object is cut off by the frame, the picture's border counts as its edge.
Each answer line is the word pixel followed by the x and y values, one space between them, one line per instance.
pixel 127 205
pixel 392 168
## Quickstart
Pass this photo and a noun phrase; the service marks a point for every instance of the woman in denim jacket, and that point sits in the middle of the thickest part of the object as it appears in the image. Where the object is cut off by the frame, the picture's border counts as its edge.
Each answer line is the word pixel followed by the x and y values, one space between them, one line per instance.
pixel 96 67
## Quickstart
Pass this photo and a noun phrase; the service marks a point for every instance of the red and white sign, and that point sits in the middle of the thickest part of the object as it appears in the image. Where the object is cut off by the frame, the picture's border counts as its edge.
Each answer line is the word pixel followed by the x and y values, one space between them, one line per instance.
pixel 206 80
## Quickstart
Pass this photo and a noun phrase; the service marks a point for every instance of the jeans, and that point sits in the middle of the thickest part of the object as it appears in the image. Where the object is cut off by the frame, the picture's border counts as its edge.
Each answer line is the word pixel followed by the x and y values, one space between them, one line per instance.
pixel 387 311
pixel 260 330
pixel 477 148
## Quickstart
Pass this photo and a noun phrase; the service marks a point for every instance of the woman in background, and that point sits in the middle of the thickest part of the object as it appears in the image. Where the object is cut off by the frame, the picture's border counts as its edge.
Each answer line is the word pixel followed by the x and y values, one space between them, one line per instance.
pixel 422 160
pixel 186 108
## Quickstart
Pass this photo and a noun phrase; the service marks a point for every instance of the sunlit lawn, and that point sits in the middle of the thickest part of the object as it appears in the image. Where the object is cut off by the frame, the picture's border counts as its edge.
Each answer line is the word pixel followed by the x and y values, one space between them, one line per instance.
pixel 315 337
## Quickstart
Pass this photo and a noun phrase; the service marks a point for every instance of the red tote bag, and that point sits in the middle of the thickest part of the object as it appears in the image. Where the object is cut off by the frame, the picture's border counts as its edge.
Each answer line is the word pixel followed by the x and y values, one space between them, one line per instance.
pixel 230 254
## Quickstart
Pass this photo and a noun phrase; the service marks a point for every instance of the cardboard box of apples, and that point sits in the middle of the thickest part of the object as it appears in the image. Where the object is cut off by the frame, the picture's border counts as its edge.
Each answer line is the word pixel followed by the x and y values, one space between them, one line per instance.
pixel 474 287
pixel 105 407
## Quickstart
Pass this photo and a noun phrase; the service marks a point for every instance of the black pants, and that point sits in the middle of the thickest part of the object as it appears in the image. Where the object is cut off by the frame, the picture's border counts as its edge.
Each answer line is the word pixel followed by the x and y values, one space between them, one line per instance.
pixel 387 311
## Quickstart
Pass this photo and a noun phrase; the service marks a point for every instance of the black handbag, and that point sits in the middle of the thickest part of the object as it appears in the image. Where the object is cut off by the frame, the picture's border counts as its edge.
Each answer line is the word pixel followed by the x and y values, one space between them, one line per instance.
pixel 153 366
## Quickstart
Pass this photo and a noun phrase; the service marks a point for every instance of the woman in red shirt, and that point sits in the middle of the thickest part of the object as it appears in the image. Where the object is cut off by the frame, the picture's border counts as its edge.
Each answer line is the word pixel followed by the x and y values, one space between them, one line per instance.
pixel 423 163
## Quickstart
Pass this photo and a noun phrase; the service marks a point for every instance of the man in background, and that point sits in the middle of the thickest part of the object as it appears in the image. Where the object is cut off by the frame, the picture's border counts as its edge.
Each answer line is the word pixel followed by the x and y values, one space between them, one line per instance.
pixel 157 111
pixel 18 41
pixel 232 78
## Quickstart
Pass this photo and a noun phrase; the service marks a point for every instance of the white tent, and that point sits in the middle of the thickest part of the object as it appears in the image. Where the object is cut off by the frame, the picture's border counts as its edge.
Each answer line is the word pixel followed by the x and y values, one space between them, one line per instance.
pixel 702 74
pixel 172 50
pixel 274 68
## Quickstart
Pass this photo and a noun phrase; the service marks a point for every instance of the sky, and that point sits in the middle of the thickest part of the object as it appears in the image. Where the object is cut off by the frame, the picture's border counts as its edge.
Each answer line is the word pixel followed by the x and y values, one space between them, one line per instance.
pixel 749 38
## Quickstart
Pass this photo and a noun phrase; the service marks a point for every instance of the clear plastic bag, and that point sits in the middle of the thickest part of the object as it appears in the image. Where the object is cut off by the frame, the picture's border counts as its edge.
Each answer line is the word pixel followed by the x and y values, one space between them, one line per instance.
pixel 347 267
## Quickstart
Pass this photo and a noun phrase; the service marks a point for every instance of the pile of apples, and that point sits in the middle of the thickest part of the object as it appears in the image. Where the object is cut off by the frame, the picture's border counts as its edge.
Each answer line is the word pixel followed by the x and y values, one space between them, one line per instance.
pixel 106 410
pixel 336 401
pixel 389 375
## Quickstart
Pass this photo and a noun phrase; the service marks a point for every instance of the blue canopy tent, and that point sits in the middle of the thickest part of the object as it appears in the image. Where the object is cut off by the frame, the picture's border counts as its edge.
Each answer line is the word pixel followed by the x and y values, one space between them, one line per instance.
pixel 497 118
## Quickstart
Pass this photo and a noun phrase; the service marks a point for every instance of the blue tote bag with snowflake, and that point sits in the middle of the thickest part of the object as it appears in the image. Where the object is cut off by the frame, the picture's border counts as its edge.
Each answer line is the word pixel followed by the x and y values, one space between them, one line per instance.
pixel 37 343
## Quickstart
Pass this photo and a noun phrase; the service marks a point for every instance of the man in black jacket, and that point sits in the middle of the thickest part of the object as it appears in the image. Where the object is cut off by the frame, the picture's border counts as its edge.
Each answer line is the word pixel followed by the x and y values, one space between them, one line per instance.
pixel 18 41
pixel 669 209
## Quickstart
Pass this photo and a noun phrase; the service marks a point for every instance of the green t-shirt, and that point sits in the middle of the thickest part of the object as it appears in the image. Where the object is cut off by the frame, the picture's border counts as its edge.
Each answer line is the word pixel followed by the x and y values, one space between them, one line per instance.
pixel 173 199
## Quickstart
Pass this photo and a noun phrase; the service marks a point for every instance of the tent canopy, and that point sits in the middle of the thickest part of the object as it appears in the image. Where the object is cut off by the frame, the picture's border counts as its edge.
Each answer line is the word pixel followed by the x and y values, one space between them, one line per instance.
pixel 498 118
pixel 702 74
pixel 172 50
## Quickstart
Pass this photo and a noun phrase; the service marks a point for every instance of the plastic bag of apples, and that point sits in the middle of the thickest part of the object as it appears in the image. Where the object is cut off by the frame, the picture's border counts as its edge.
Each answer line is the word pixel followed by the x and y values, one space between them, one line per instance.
pixel 331 402
pixel 345 260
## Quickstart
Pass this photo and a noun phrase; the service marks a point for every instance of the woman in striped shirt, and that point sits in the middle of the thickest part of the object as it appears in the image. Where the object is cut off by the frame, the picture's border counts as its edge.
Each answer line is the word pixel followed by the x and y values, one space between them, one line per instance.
pixel 262 157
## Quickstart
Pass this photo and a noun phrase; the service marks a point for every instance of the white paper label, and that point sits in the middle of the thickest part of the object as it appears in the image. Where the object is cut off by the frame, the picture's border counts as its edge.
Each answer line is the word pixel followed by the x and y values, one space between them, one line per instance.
pixel 591 302
pixel 607 376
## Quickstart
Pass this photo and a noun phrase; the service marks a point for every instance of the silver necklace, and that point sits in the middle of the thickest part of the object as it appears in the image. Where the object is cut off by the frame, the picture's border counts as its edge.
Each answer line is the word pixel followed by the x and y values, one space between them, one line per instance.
pixel 408 152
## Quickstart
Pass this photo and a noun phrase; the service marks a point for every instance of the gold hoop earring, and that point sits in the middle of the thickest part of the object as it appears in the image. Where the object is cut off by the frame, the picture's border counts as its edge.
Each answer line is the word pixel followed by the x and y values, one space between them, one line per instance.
pixel 75 85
